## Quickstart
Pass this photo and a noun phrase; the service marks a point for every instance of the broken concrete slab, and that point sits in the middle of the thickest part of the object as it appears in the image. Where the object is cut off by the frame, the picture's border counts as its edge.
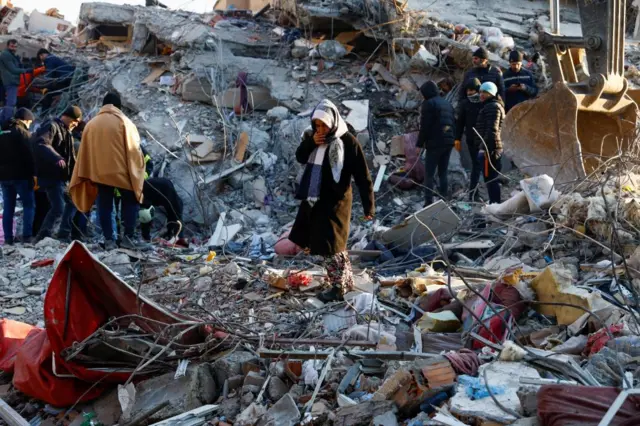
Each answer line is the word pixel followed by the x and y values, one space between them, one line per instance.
pixel 505 374
pixel 362 414
pixel 416 230
pixel 277 388
pixel 332 50
pixel 278 113
pixel 250 415
pixel 283 413
pixel 195 389
pixel 231 365
pixel 358 117
pixel 259 140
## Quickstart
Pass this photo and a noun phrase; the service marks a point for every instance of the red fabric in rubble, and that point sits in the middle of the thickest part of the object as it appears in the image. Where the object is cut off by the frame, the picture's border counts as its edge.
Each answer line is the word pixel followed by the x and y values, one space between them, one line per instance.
pixel 12 335
pixel 96 295
pixel 560 405
pixel 598 340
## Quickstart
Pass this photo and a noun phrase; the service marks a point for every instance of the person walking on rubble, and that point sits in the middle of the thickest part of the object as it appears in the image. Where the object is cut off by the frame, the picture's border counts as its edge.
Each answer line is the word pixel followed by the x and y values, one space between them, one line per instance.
pixel 468 111
pixel 110 158
pixel 489 126
pixel 437 121
pixel 59 73
pixel 333 157
pixel 519 82
pixel 484 72
pixel 17 174
pixel 55 160
pixel 10 71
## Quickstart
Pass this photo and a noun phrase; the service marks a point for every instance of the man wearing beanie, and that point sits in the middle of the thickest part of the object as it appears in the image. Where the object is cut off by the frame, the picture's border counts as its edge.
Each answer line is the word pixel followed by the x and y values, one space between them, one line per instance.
pixel 437 121
pixel 55 159
pixel 110 158
pixel 17 171
pixel 519 82
pixel 468 111
pixel 484 72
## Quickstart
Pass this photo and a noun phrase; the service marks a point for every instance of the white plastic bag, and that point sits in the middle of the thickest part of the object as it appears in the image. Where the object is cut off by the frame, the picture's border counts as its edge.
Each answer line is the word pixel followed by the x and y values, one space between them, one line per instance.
pixel 540 192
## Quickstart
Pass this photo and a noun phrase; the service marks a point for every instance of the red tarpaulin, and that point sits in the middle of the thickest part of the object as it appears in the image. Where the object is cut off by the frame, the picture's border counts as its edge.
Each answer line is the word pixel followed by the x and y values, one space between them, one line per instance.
pixel 95 296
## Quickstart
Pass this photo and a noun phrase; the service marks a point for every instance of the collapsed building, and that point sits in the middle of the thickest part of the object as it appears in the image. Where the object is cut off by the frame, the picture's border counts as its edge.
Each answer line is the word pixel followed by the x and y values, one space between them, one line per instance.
pixel 519 313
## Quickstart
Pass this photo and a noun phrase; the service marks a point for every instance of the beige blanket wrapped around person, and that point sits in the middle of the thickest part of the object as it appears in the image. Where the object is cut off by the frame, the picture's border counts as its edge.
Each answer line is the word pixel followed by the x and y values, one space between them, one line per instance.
pixel 109 155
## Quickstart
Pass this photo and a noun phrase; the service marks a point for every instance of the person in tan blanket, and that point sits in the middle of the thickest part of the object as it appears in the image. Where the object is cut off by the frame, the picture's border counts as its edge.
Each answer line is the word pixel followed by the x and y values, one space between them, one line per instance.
pixel 110 158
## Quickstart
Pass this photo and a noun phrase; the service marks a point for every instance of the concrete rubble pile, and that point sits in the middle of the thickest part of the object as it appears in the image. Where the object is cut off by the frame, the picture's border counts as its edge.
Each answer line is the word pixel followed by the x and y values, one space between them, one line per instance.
pixel 522 313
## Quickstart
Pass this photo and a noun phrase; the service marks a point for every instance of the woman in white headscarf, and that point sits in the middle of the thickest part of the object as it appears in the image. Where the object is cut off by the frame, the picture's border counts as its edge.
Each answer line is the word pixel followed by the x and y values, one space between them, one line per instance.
pixel 333 157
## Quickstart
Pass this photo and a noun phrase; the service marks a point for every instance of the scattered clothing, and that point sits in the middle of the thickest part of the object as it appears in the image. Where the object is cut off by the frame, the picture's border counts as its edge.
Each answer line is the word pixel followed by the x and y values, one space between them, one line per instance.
pixel 110 156
pixel 339 272
pixel 413 166
pixel 514 94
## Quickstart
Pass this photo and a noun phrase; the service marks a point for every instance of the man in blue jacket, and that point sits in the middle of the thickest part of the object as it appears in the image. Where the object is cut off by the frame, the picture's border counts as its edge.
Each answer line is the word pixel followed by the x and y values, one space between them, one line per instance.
pixel 59 74
pixel 10 71
pixel 519 82
pixel 437 135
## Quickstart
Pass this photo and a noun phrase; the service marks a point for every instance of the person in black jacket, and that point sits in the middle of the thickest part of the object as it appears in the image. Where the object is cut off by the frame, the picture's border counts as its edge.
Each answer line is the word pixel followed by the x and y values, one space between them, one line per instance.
pixel 519 82
pixel 468 111
pixel 489 125
pixel 17 173
pixel 437 123
pixel 160 192
pixel 55 158
pixel 484 72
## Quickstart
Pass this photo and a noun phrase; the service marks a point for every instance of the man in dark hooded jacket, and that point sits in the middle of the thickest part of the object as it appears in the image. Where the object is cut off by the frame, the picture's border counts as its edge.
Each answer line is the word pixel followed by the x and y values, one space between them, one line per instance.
pixel 468 111
pixel 483 71
pixel 489 125
pixel 437 121
pixel 519 82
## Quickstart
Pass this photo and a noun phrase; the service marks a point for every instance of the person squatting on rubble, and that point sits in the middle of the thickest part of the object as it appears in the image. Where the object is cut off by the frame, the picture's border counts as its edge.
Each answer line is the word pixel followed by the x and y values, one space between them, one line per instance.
pixel 484 72
pixel 160 192
pixel 17 174
pixel 10 71
pixel 332 157
pixel 59 73
pixel 55 160
pixel 468 111
pixel 437 122
pixel 110 158
pixel 519 82
pixel 489 125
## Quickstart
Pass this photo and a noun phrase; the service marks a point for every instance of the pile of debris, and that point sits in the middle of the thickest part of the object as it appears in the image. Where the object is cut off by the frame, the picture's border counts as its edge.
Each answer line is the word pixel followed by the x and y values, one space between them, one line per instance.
pixel 519 313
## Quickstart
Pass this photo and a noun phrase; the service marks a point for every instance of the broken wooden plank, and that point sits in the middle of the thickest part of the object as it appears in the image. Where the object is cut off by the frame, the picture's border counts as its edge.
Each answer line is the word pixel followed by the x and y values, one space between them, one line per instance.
pixel 385 74
pixel 229 171
pixel 10 416
pixel 241 146
pixel 417 229
pixel 156 73
pixel 381 171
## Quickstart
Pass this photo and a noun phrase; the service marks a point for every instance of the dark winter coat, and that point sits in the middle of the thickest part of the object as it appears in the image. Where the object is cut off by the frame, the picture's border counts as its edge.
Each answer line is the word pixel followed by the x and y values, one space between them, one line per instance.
pixel 58 68
pixel 16 161
pixel 160 192
pixel 491 74
pixel 518 96
pixel 437 119
pixel 324 228
pixel 467 118
pixel 489 125
pixel 11 68
pixel 53 142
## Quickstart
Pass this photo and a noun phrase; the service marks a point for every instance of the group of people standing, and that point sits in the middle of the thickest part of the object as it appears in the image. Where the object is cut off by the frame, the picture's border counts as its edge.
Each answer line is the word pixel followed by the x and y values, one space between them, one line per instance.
pixel 486 97
pixel 109 163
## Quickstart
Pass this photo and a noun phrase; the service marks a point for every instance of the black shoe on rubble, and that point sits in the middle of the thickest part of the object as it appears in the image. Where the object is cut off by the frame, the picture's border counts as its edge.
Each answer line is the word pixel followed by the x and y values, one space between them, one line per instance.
pixel 331 295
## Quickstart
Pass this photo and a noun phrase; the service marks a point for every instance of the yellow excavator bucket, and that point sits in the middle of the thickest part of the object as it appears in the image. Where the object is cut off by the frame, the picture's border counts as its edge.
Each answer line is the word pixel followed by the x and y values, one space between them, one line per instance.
pixel 554 135
pixel 589 115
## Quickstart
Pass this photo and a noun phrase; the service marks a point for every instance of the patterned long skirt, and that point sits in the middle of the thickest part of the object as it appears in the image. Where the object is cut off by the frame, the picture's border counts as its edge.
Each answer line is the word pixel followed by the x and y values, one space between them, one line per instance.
pixel 339 272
